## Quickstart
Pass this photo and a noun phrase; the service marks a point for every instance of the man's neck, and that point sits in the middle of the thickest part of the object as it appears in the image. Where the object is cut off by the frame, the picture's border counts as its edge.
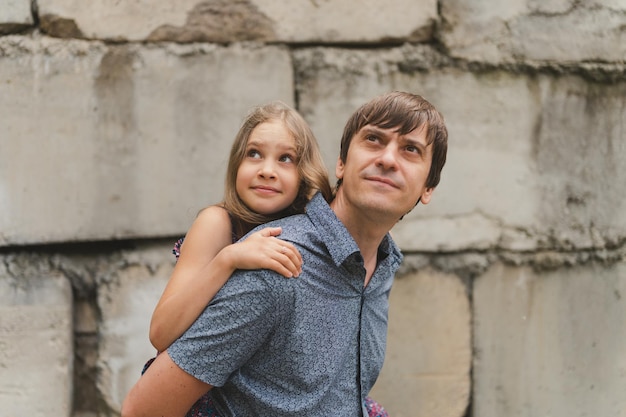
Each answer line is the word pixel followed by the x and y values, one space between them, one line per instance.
pixel 366 229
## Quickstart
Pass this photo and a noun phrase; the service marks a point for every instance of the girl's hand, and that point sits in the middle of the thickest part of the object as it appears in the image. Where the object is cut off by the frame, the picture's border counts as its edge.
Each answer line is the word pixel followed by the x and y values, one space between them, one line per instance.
pixel 262 250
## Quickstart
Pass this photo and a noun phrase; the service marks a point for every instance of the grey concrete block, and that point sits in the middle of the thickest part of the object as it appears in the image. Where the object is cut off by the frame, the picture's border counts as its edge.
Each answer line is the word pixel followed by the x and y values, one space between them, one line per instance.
pixel 15 15
pixel 533 31
pixel 340 21
pixel 223 21
pixel 550 342
pixel 429 352
pixel 36 344
pixel 126 303
pixel 521 171
pixel 121 141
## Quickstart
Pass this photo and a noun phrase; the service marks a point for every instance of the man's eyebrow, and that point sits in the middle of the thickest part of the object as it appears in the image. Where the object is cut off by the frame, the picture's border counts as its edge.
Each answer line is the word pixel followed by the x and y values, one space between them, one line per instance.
pixel 373 129
pixel 413 142
pixel 406 140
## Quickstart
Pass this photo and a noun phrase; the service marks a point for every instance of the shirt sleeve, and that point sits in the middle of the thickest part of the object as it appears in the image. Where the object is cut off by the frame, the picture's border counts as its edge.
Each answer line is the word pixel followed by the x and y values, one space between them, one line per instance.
pixel 230 329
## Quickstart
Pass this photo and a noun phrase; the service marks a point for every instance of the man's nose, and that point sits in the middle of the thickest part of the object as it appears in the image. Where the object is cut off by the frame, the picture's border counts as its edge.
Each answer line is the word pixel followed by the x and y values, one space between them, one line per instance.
pixel 388 158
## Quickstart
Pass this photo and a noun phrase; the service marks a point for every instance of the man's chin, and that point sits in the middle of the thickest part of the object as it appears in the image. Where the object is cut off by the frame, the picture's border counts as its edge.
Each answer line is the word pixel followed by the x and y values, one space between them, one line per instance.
pixel 384 207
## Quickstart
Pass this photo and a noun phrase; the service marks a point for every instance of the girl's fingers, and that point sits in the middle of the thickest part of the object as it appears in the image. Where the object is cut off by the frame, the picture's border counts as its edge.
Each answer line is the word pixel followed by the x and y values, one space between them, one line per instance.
pixel 276 254
pixel 270 231
pixel 289 257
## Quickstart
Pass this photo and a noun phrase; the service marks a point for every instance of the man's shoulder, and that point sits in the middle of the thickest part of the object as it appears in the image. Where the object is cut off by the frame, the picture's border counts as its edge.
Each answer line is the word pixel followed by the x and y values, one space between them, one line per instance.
pixel 295 228
pixel 262 288
pixel 317 218
pixel 295 219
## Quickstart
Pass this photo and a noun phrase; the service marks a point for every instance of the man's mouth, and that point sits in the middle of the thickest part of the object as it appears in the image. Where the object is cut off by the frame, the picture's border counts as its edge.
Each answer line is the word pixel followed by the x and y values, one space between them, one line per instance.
pixel 383 180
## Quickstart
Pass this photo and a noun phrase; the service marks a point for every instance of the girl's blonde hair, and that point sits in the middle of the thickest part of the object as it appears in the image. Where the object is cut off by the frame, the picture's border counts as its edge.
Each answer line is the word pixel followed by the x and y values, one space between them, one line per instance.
pixel 311 169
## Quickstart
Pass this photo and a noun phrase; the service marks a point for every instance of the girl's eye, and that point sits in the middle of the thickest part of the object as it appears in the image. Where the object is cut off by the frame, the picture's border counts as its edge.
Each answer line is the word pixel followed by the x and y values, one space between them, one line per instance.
pixel 253 153
pixel 287 158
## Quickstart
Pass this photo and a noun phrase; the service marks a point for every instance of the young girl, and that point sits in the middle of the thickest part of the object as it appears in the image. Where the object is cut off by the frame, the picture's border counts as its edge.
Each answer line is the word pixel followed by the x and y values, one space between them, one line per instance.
pixel 274 168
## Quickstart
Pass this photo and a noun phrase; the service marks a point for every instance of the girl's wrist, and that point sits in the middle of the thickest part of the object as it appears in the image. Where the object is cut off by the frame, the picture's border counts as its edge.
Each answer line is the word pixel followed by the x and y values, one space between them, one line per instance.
pixel 226 259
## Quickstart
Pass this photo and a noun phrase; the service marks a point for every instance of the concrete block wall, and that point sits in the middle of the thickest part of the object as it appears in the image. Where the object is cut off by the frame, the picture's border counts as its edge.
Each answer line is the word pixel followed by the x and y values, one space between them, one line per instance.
pixel 115 123
pixel 36 343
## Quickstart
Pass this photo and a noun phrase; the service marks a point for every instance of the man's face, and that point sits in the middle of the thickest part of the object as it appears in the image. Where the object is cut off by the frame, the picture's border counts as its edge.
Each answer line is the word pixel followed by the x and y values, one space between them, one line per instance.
pixel 385 173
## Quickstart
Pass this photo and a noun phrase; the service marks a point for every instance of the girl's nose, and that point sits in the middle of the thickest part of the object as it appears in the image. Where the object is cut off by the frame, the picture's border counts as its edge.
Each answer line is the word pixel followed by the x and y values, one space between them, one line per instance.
pixel 267 170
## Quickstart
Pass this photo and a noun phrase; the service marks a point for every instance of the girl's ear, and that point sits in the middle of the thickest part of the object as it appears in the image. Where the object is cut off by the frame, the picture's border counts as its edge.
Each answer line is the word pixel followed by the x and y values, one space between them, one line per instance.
pixel 426 195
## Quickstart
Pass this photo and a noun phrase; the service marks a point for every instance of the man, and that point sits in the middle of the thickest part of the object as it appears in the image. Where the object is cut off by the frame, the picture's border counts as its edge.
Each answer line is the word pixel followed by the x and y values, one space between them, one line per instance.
pixel 312 346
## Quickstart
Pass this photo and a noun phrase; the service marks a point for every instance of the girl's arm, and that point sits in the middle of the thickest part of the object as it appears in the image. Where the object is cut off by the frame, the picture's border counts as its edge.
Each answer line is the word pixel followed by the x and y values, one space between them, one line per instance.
pixel 164 390
pixel 207 259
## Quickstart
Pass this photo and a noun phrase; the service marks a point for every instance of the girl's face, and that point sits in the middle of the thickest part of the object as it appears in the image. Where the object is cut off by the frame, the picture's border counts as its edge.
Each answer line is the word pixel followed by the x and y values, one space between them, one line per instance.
pixel 267 178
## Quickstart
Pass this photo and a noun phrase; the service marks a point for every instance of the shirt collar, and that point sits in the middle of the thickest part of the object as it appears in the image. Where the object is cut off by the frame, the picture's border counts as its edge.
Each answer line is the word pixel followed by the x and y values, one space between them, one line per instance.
pixel 336 237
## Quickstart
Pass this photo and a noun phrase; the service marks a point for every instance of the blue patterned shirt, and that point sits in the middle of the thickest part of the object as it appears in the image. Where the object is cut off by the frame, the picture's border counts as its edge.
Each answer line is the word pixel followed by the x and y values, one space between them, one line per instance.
pixel 307 346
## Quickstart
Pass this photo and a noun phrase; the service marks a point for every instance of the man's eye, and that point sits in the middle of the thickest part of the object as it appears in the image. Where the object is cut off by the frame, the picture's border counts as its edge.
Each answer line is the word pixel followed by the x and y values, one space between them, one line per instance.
pixel 413 149
pixel 371 138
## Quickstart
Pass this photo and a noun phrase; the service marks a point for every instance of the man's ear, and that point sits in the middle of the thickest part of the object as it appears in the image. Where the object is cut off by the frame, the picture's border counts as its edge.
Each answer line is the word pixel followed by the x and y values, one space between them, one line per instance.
pixel 339 168
pixel 425 197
